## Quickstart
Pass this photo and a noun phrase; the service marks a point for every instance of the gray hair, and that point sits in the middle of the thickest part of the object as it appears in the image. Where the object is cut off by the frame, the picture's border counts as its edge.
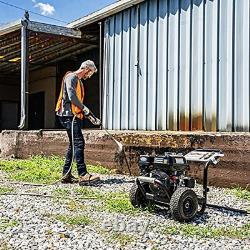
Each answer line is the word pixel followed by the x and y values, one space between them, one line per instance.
pixel 88 64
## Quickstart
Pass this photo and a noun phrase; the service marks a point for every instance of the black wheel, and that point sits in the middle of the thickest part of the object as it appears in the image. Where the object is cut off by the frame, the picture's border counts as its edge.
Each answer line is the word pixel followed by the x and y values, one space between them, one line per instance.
pixel 184 204
pixel 136 197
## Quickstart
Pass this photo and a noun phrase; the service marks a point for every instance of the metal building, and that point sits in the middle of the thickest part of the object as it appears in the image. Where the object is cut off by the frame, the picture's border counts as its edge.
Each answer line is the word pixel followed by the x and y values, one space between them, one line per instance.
pixel 163 65
pixel 178 65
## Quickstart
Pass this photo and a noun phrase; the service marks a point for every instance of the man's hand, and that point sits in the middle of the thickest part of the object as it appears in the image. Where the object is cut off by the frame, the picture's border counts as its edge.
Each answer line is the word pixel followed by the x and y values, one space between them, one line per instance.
pixel 89 115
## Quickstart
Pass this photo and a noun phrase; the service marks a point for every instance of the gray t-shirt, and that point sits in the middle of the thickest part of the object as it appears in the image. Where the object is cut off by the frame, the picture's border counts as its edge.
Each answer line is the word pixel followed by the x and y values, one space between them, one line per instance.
pixel 69 95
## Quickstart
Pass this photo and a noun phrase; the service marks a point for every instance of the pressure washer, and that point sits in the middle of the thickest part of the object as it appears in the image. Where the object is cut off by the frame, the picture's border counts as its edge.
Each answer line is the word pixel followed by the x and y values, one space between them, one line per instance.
pixel 163 182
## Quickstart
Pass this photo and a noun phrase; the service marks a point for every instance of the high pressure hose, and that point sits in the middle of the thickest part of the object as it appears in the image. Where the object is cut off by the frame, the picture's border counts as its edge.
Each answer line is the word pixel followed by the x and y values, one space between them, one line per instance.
pixel 73 151
pixel 73 147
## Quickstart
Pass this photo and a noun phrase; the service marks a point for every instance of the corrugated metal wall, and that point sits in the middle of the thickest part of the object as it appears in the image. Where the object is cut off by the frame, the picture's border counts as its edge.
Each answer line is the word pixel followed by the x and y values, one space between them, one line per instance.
pixel 178 65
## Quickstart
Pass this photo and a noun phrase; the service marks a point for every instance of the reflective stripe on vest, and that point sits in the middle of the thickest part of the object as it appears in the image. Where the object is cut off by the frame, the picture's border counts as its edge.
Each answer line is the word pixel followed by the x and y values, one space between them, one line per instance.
pixel 80 95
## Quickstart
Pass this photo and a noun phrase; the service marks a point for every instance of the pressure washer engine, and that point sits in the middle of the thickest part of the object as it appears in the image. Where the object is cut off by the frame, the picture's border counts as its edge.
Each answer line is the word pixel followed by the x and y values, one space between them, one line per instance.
pixel 163 181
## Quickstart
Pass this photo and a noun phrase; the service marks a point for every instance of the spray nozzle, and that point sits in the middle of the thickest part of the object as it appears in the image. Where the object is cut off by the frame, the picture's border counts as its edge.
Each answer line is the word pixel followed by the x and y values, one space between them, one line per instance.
pixel 94 120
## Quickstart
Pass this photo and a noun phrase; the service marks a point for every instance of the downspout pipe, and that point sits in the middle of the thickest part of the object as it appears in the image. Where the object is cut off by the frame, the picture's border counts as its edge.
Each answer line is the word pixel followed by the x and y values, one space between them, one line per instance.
pixel 24 72
pixel 100 68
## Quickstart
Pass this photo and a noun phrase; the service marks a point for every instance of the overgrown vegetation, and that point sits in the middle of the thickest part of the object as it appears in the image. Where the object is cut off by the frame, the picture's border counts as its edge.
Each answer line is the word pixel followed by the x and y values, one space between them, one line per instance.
pixel 209 231
pixel 47 170
pixel 41 169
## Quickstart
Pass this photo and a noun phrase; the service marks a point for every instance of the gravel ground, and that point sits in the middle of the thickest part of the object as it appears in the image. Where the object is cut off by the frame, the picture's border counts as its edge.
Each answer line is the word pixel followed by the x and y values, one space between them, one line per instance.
pixel 33 224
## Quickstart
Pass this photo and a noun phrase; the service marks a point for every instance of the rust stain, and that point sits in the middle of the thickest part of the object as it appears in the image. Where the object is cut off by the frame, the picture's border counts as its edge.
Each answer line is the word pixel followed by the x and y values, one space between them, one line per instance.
pixel 172 121
pixel 210 123
pixel 184 122
pixel 196 122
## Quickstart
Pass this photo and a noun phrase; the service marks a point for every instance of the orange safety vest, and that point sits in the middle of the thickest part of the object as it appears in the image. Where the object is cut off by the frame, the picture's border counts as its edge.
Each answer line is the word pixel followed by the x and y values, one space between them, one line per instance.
pixel 80 95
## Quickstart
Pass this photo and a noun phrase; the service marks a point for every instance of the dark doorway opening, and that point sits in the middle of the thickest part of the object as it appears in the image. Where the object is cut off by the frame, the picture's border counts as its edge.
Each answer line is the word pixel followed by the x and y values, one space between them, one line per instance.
pixel 8 115
pixel 36 110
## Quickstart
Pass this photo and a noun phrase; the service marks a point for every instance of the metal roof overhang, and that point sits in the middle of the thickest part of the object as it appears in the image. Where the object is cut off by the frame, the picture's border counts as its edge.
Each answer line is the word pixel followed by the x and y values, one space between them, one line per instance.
pixel 47 44
pixel 103 13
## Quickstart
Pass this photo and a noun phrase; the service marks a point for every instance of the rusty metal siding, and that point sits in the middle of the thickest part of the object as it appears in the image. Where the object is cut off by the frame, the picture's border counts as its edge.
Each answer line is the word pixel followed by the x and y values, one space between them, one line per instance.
pixel 184 70
pixel 210 65
pixel 178 65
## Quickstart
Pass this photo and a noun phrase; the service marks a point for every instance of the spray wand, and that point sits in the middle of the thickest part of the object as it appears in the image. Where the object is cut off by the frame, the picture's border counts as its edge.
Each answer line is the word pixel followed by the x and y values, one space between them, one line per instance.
pixel 94 120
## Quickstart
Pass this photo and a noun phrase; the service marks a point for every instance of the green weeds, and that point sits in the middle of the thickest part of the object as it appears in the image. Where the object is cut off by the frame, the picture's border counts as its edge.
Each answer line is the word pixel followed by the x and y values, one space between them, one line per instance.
pixel 77 220
pixel 241 193
pixel 5 190
pixel 7 223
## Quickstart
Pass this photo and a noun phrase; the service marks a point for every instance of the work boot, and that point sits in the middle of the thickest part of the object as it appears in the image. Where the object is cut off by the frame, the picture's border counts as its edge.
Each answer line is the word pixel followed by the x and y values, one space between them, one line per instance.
pixel 69 179
pixel 88 179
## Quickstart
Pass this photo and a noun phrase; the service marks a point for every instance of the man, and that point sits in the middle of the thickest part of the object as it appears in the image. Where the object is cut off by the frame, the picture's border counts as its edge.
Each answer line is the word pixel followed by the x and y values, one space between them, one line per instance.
pixel 70 104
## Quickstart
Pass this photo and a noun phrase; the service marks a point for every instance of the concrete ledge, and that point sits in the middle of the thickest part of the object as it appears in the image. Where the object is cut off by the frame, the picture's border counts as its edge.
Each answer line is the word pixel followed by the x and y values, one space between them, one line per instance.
pixel 233 170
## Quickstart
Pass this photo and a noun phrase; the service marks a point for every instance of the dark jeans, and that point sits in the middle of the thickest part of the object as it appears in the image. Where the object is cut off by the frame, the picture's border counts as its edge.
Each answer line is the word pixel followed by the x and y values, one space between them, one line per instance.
pixel 79 144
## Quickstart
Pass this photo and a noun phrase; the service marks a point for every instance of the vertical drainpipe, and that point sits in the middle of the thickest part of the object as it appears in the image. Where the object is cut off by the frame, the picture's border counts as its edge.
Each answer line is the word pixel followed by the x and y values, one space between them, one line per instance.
pixel 24 72
pixel 100 68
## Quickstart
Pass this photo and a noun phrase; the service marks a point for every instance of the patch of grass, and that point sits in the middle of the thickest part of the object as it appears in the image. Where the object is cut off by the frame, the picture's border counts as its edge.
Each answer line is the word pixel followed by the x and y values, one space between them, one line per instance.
pixel 119 206
pixel 37 169
pixel 122 238
pixel 118 202
pixel 98 169
pixel 209 232
pixel 241 193
pixel 79 220
pixel 88 192
pixel 5 190
pixel 41 169
pixel 6 223
pixel 62 192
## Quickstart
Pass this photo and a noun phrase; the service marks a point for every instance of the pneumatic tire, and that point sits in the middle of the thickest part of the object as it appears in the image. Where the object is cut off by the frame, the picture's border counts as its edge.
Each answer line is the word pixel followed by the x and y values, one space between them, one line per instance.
pixel 136 197
pixel 184 204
